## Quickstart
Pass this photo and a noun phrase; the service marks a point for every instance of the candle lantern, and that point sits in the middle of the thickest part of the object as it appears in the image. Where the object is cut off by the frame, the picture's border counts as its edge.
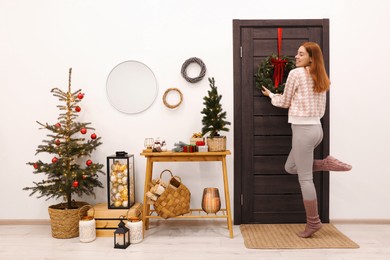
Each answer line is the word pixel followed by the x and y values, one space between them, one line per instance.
pixel 120 181
pixel 87 226
pixel 134 224
pixel 121 235
pixel 148 143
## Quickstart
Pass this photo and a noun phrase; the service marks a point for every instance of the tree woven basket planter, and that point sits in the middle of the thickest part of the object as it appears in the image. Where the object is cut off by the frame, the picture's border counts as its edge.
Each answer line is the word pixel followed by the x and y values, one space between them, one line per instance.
pixel 216 144
pixel 65 222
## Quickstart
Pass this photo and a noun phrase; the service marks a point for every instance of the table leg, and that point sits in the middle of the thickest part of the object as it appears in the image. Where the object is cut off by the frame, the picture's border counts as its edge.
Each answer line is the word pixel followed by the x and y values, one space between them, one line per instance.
pixel 146 206
pixel 227 196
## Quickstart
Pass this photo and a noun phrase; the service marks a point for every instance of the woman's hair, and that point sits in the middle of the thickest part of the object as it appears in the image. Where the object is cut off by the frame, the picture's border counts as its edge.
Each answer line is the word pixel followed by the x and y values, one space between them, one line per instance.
pixel 317 67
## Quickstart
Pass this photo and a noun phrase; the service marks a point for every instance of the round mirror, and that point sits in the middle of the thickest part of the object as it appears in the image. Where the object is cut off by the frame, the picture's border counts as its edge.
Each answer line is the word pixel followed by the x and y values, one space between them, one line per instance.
pixel 131 87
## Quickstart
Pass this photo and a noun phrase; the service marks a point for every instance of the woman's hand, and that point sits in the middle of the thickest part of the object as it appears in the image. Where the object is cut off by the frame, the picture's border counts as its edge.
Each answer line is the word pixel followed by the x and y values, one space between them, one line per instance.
pixel 265 91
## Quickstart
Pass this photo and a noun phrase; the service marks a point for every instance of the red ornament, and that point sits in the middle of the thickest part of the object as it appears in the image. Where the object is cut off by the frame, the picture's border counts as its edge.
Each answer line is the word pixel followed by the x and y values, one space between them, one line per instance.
pixel 80 96
pixel 83 131
pixel 35 165
pixel 54 160
pixel 58 125
pixel 75 184
pixel 93 136
pixel 88 163
pixel 84 177
pixel 58 142
pixel 78 109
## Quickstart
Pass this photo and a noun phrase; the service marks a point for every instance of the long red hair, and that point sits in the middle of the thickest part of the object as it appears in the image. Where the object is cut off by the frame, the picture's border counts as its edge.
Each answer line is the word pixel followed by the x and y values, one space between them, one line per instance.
pixel 317 67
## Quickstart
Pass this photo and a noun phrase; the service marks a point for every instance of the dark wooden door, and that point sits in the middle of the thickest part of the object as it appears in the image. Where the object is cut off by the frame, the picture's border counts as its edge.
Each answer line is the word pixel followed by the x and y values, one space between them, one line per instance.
pixel 263 191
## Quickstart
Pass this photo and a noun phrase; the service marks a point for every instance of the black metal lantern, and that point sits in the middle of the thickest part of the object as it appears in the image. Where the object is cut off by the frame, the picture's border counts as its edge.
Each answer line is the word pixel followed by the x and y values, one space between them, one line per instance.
pixel 120 181
pixel 121 235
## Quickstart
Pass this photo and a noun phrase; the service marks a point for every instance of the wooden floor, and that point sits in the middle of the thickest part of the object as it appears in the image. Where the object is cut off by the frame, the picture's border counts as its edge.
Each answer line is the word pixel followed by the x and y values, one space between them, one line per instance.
pixel 175 239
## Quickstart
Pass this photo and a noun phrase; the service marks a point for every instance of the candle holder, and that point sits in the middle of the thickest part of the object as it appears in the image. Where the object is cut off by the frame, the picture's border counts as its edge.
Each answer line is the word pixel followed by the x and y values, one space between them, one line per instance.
pixel 87 226
pixel 211 202
pixel 148 143
pixel 121 235
pixel 135 225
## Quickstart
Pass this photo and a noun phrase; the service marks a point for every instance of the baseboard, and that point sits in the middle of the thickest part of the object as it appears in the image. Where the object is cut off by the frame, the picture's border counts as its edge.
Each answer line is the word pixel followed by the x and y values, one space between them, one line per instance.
pixel 333 221
pixel 361 221
pixel 24 222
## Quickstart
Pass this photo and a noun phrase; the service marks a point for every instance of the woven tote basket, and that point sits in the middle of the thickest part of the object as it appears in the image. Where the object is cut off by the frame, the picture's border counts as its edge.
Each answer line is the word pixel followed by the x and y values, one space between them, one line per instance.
pixel 175 200
pixel 65 222
pixel 217 144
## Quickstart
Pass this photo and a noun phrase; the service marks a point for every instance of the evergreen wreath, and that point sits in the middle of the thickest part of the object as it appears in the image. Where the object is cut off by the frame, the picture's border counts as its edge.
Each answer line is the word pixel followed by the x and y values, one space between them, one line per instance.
pixel 265 72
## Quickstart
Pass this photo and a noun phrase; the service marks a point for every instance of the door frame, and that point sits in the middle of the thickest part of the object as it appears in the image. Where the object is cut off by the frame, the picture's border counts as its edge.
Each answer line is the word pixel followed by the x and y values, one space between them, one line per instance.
pixel 238 106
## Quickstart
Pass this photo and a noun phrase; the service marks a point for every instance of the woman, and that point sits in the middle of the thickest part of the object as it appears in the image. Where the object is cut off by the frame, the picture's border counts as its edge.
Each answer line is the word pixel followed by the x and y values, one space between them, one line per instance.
pixel 305 97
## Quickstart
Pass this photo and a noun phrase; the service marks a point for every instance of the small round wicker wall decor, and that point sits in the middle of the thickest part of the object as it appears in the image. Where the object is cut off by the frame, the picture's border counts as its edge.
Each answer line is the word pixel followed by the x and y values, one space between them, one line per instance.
pixel 202 69
pixel 165 98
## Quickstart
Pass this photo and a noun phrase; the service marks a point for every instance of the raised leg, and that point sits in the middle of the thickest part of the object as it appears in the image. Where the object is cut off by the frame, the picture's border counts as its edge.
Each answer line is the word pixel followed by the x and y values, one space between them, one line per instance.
pixel 330 164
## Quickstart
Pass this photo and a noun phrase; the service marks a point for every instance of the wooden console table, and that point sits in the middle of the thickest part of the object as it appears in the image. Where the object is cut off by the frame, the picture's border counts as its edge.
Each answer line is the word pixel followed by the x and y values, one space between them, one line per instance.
pixel 153 157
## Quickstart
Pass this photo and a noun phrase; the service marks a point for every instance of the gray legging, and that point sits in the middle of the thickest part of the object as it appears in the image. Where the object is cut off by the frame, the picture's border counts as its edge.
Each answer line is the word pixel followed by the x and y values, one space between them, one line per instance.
pixel 305 139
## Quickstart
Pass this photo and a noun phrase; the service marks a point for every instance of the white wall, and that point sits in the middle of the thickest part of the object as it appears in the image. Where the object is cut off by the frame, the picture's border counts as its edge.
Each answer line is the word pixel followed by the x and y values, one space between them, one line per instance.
pixel 41 39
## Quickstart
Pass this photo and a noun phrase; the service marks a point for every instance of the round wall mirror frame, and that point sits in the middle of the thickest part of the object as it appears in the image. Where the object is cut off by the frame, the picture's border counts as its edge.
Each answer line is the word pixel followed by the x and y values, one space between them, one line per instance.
pixel 131 87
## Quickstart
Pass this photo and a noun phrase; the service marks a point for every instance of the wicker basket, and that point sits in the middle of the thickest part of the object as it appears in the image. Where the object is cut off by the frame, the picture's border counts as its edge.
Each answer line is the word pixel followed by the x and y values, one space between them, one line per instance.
pixel 65 222
pixel 175 200
pixel 217 144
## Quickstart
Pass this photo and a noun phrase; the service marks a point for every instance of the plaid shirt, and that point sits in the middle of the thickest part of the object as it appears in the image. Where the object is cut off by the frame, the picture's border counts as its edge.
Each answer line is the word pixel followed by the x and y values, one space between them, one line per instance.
pixel 299 96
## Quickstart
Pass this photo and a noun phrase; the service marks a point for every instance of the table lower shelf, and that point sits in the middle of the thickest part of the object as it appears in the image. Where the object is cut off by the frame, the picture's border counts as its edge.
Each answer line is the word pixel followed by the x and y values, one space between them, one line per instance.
pixel 194 213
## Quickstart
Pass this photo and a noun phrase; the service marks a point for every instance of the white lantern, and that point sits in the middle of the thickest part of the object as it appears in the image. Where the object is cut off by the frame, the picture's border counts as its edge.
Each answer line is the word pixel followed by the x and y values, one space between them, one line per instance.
pixel 135 225
pixel 87 227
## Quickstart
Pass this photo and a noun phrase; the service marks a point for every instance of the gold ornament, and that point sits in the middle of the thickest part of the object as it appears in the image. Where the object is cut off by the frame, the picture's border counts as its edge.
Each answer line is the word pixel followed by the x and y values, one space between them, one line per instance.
pixel 117 203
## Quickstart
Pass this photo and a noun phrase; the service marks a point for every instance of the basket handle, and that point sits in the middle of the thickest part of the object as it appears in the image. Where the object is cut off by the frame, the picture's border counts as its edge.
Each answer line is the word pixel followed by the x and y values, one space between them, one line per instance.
pixel 166 170
pixel 134 218
pixel 87 217
pixel 175 180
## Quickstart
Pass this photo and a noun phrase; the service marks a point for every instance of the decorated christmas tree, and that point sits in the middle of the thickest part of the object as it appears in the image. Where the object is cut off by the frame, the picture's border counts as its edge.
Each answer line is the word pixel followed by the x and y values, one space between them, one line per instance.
pixel 70 170
pixel 214 119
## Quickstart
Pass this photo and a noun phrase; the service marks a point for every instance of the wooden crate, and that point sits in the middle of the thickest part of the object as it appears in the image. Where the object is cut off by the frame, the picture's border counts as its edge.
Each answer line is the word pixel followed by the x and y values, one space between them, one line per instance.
pixel 107 220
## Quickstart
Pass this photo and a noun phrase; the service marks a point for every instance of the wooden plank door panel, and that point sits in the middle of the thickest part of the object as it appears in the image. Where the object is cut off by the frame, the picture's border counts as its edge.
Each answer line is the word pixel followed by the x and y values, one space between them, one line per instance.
pixel 270 145
pixel 269 164
pixel 270 184
pixel 263 107
pixel 264 192
pixel 275 208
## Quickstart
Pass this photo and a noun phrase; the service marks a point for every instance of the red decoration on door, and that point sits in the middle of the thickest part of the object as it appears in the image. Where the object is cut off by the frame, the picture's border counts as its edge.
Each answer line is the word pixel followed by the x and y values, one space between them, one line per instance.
pixel 279 63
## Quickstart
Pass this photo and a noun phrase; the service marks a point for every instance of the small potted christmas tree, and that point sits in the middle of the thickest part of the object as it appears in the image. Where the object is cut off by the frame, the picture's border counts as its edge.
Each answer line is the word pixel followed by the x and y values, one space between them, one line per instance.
pixel 214 119
pixel 70 169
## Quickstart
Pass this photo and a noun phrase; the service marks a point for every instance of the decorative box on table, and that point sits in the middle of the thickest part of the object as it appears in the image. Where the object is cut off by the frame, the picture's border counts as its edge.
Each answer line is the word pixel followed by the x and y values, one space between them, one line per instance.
pixel 194 140
pixel 120 181
pixel 107 220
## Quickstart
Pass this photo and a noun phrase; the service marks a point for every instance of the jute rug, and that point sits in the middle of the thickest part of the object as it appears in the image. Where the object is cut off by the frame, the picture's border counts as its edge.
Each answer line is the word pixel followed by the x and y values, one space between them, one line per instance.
pixel 279 236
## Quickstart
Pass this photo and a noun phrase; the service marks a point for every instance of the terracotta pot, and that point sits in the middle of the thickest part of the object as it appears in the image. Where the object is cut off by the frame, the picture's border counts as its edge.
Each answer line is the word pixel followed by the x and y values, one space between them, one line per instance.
pixel 211 202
